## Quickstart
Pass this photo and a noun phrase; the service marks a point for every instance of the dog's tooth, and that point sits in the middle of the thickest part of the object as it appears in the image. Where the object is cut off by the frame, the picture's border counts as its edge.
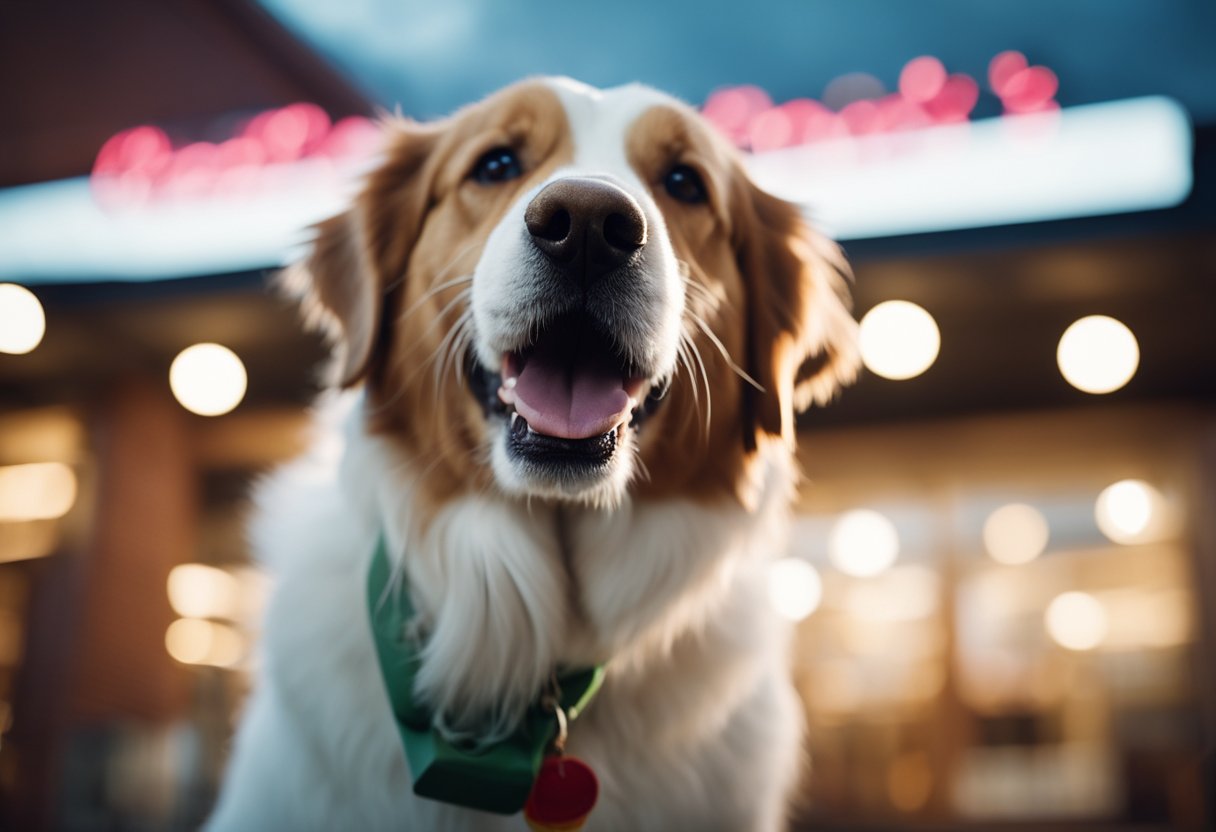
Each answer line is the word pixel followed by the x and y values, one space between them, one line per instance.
pixel 509 383
pixel 519 425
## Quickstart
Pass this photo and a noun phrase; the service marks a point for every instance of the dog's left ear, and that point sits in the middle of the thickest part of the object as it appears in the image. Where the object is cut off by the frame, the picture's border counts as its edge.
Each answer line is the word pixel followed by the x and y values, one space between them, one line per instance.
pixel 802 339
pixel 360 257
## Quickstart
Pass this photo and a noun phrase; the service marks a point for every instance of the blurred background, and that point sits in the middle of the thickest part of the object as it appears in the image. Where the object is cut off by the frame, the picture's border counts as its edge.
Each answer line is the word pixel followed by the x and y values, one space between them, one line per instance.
pixel 1004 563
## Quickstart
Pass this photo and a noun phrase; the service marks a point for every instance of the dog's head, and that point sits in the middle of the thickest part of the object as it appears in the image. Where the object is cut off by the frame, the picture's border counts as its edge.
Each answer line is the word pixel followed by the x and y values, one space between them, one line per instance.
pixel 567 293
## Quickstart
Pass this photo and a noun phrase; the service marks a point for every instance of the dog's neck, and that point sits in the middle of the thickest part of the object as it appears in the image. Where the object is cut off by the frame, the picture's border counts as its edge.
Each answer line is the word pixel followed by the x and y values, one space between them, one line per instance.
pixel 507 590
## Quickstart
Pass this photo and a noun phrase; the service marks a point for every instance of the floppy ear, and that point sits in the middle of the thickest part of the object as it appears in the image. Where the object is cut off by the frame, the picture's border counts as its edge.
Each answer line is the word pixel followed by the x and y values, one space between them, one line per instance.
pixel 360 257
pixel 802 339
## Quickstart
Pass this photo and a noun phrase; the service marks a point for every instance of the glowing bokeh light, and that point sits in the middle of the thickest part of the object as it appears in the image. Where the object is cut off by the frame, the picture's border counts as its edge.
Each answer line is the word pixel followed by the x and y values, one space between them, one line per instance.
pixel 1002 68
pixel 904 593
pixel 955 101
pixel 899 340
pixel 22 320
pixel 922 79
pixel 1015 533
pixel 807 119
pixel 861 117
pixel 145 149
pixel 1125 511
pixel 193 171
pixel 36 491
pixel 1076 621
pixel 130 165
pixel 1030 90
pixel 208 379
pixel 863 543
pixel 352 137
pixel 194 641
pixel 240 151
pixel 857 104
pixel 771 130
pixel 896 113
pixel 733 108
pixel 1098 354
pixel 200 591
pixel 290 132
pixel 794 587
pixel 140 165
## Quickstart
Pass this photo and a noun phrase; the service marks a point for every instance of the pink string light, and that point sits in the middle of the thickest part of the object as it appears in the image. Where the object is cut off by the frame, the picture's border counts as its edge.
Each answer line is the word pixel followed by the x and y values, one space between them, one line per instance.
pixel 141 164
pixel 927 95
pixel 922 79
pixel 1003 67
pixel 732 109
pixel 955 101
pixel 771 129
pixel 1030 90
pixel 861 117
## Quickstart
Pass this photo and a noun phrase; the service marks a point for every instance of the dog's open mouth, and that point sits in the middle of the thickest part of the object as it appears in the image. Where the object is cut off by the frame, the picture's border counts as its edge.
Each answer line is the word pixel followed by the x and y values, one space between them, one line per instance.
pixel 569 396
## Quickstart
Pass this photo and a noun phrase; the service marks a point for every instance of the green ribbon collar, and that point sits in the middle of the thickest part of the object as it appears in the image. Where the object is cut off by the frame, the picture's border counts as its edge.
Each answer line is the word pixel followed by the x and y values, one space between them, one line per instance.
pixel 494 778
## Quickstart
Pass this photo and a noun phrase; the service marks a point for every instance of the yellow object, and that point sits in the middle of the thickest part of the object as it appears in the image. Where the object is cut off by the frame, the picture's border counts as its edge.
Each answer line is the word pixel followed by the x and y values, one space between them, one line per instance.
pixel 566 826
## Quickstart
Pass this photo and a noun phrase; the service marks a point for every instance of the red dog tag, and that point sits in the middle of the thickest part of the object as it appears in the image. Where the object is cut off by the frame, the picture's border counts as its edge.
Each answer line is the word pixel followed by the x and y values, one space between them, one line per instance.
pixel 563 795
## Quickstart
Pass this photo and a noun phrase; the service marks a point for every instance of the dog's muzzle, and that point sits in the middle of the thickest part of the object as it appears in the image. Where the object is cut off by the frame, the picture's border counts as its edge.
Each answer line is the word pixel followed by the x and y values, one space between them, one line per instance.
pixel 584 374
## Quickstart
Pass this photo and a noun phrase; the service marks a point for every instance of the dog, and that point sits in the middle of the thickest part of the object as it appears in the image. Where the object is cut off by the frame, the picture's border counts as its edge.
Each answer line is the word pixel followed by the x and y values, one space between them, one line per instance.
pixel 571 339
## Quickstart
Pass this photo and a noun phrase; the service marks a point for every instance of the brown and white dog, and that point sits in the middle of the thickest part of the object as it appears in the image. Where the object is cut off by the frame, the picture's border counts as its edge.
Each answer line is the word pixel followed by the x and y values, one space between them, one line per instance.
pixel 575 338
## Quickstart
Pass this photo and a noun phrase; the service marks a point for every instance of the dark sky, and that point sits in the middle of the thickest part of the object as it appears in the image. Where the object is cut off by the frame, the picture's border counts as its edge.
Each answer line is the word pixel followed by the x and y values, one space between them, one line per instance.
pixel 431 56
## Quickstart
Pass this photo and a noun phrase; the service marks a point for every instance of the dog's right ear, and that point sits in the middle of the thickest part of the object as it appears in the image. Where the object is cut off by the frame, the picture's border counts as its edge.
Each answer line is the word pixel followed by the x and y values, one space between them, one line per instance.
pixel 359 258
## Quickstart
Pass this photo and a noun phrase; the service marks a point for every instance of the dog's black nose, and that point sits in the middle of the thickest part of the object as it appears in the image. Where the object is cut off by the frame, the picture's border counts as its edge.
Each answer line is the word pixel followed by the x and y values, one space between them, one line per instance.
pixel 586 226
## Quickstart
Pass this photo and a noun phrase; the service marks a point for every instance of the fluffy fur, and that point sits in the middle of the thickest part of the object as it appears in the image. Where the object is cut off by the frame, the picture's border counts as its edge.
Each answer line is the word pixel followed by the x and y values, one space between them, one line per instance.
pixel 655 565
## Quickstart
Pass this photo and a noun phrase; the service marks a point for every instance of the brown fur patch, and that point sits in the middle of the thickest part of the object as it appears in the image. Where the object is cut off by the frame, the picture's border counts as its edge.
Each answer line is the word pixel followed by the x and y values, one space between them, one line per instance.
pixel 764 298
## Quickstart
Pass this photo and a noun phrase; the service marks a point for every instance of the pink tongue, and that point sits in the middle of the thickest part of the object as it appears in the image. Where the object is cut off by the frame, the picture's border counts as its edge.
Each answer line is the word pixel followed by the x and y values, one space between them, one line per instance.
pixel 570 403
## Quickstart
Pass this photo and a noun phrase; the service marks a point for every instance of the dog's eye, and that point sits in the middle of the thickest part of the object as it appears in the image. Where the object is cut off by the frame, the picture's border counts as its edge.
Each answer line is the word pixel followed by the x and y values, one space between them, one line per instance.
pixel 685 184
pixel 497 165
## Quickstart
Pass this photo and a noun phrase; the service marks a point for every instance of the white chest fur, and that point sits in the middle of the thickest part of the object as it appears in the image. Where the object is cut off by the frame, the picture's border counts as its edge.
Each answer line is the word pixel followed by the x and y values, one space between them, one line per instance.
pixel 670 594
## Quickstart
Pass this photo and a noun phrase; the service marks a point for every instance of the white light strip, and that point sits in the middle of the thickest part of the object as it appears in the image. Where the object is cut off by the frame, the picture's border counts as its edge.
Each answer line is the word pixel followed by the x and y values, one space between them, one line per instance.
pixel 1130 155
pixel 1098 159
pixel 56 231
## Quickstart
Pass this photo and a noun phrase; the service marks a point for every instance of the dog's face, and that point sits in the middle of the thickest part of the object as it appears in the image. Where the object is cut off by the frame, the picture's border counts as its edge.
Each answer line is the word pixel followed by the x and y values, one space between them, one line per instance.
pixel 566 293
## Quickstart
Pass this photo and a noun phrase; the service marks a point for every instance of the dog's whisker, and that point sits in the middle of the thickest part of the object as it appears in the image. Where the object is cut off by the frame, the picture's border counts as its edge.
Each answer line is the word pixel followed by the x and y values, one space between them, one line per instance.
pixel 709 393
pixel 703 295
pixel 447 348
pixel 451 264
pixel 735 368
pixel 432 292
pixel 684 359
pixel 464 295
pixel 643 472
pixel 452 331
pixel 709 405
